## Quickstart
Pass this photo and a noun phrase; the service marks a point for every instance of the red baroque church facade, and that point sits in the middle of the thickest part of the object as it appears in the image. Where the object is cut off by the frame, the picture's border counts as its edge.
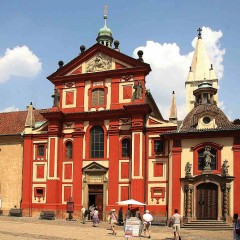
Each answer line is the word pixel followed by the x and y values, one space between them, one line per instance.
pixel 104 140
pixel 100 142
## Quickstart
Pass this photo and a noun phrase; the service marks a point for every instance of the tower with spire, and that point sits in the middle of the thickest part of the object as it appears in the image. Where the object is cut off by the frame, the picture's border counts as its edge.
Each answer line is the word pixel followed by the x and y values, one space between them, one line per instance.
pixel 173 109
pixel 201 70
pixel 105 34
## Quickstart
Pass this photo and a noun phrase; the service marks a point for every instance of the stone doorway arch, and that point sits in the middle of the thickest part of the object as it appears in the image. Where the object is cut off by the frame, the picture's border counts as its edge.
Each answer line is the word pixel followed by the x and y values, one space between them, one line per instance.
pixel 95 187
pixel 211 185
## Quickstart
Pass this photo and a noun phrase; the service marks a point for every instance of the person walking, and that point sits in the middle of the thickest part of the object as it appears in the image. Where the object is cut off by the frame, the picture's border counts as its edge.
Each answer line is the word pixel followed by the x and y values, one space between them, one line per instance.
pixel 95 217
pixel 113 222
pixel 83 210
pixel 91 209
pixel 236 227
pixel 176 220
pixel 138 214
pixel 120 216
pixel 147 219
pixel 128 214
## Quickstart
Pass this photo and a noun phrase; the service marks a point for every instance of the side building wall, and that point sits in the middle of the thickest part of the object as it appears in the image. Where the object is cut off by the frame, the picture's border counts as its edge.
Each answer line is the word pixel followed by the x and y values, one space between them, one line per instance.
pixel 11 158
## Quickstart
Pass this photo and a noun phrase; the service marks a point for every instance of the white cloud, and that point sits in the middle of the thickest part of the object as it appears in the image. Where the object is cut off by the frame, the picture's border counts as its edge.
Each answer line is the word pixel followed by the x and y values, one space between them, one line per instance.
pixel 170 69
pixel 10 109
pixel 19 62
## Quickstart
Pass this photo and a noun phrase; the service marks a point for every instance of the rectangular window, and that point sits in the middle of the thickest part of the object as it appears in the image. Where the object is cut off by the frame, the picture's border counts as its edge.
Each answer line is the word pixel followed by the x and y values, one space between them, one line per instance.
pixel 158 146
pixel 39 192
pixel 125 148
pixel 97 142
pixel 41 151
pixel 97 97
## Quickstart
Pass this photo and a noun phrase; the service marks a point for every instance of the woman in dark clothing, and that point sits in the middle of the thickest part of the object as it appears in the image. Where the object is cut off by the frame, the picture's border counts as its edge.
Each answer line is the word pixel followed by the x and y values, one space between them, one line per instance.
pixel 120 216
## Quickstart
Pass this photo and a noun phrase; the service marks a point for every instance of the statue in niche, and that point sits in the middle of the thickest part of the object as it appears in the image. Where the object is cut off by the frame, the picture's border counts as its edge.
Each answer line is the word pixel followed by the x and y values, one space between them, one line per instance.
pixel 207 155
pixel 138 90
pixel 188 169
pixel 56 98
pixel 225 167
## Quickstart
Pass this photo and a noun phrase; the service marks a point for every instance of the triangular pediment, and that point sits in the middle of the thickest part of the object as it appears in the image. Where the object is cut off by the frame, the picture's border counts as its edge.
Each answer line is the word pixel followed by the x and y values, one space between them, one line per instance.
pixel 97 59
pixel 94 167
pixel 98 63
pixel 154 121
pixel 40 127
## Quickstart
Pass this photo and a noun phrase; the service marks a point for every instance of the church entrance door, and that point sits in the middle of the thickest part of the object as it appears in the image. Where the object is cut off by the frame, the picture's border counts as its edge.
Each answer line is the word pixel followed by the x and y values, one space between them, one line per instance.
pixel 207 199
pixel 95 197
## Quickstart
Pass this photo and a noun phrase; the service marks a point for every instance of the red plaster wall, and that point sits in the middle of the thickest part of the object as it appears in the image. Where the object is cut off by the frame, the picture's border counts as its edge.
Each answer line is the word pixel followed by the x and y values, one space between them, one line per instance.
pixel 236 157
pixel 127 92
pixel 40 171
pixel 77 166
pixel 52 154
pixel 176 186
pixel 136 154
pixel 125 170
pixel 69 98
pixel 68 171
pixel 67 193
pixel 113 168
pixel 158 169
pixel 27 176
pixel 124 193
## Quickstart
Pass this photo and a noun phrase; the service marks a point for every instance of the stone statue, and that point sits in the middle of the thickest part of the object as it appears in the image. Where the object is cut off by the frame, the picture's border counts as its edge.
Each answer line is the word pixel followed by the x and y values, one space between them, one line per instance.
pixel 188 168
pixel 56 98
pixel 207 155
pixel 138 90
pixel 225 168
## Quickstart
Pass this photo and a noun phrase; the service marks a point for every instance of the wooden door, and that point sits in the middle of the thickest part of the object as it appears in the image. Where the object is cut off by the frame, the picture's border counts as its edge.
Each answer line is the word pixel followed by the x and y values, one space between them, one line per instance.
pixel 207 199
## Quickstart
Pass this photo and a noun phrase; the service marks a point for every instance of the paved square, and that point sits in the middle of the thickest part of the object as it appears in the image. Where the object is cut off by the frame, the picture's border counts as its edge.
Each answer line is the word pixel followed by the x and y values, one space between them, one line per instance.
pixel 33 228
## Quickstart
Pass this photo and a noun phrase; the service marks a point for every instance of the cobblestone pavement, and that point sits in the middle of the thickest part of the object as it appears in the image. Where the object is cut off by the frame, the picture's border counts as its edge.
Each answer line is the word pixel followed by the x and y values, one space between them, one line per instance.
pixel 33 228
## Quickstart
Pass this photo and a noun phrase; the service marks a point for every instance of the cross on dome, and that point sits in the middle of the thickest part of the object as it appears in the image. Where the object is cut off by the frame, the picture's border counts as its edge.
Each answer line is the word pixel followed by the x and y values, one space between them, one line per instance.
pixel 199 33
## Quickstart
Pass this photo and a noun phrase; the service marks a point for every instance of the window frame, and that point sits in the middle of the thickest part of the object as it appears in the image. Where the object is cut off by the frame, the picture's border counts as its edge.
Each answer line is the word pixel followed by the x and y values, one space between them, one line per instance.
pixel 100 143
pixel 90 94
pixel 40 157
pixel 128 148
pixel 154 141
pixel 66 150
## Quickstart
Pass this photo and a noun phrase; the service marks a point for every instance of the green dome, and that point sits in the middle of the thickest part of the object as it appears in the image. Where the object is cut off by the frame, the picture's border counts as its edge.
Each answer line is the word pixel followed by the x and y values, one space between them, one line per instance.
pixel 105 35
pixel 105 31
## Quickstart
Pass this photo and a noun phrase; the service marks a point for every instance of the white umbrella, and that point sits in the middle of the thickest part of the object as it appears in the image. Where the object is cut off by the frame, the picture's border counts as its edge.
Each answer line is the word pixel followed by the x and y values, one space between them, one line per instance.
pixel 130 202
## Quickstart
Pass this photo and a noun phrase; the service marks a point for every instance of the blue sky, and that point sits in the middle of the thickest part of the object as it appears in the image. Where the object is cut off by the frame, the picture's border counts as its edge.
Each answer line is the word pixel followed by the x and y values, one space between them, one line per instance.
pixel 35 35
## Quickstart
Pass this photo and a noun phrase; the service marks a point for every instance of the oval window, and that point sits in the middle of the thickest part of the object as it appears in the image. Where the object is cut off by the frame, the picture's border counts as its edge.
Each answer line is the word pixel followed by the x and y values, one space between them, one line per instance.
pixel 206 120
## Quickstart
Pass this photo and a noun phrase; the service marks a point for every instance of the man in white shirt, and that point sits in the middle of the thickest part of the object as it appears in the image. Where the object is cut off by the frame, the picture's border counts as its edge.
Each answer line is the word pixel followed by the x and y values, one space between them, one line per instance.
pixel 176 219
pixel 147 219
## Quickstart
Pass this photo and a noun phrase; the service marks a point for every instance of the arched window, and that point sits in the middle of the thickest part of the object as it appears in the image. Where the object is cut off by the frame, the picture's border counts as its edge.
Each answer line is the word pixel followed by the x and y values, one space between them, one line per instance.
pixel 207 157
pixel 97 142
pixel 69 150
pixel 126 147
pixel 98 97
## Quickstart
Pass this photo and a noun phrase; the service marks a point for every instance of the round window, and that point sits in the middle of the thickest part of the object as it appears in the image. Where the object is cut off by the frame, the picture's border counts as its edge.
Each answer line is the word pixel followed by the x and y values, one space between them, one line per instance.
pixel 206 120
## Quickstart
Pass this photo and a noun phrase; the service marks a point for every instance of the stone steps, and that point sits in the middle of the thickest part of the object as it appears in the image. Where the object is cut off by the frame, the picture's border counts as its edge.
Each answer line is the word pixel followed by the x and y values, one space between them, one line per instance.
pixel 213 225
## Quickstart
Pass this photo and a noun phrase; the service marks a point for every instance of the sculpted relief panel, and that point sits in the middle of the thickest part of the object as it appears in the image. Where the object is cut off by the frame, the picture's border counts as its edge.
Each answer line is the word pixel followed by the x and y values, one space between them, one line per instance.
pixel 99 62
